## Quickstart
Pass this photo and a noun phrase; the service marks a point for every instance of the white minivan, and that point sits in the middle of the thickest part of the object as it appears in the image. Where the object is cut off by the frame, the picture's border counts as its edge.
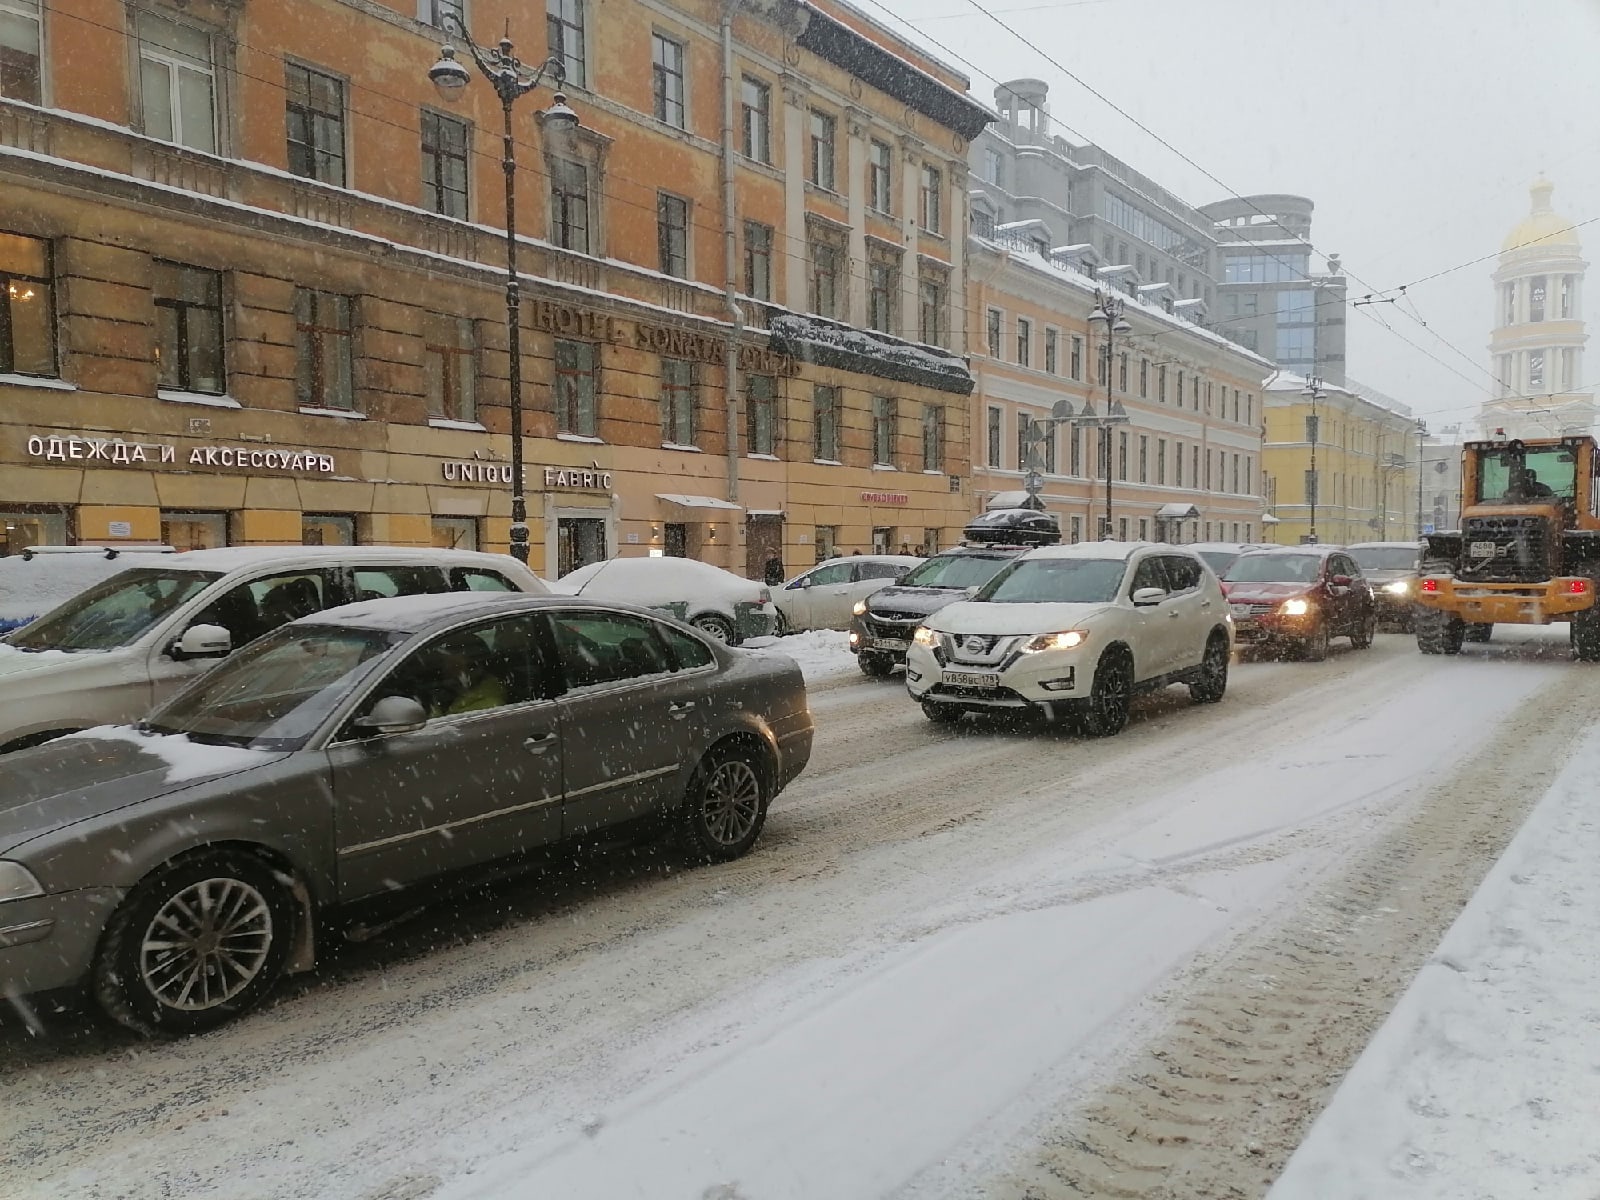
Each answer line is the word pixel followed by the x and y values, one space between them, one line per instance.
pixel 117 649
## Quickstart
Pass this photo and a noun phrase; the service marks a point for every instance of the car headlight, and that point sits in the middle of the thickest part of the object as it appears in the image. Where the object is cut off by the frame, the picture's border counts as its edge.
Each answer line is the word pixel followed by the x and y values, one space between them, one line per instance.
pixel 17 882
pixel 1067 639
pixel 925 636
pixel 860 608
pixel 1295 608
pixel 1398 588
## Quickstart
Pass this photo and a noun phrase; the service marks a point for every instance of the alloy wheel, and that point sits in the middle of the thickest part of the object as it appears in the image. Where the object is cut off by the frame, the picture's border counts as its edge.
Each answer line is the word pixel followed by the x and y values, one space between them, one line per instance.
pixel 206 944
pixel 732 803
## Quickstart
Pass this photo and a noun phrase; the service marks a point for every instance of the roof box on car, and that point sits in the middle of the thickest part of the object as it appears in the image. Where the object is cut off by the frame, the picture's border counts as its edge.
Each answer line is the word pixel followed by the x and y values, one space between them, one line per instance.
pixel 1014 527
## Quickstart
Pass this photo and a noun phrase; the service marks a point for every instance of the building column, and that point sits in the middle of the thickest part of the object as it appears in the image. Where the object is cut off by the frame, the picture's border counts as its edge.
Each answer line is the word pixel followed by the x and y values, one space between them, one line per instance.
pixel 854 186
pixel 959 223
pixel 797 273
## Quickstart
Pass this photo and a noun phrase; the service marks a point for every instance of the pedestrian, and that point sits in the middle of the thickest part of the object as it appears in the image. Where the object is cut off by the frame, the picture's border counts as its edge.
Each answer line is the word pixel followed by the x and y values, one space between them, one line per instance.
pixel 905 548
pixel 857 553
pixel 772 572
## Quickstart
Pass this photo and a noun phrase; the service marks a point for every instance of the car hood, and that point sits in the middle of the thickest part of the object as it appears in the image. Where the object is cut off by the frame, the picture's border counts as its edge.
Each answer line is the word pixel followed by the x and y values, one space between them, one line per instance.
pixel 23 662
pixel 1265 591
pixel 981 617
pixel 102 770
pixel 914 601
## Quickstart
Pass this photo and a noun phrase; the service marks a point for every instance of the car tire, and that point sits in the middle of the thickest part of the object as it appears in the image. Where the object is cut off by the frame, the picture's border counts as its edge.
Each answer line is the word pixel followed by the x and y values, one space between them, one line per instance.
pixel 780 627
pixel 1585 631
pixel 725 806
pixel 1107 712
pixel 1361 639
pixel 878 666
pixel 149 987
pixel 1211 684
pixel 941 714
pixel 1439 632
pixel 1477 631
pixel 1315 647
pixel 718 627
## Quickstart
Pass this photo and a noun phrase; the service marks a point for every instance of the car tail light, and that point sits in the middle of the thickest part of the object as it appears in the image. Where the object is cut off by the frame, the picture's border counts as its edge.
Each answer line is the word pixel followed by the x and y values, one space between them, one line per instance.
pixel 766 596
pixel 1430 585
pixel 1577 587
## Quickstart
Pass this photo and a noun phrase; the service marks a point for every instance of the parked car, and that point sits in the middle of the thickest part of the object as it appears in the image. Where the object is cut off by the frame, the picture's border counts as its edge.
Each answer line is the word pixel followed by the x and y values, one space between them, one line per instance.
pixel 1299 597
pixel 1392 568
pixel 42 577
pixel 729 607
pixel 824 596
pixel 1074 632
pixel 117 649
pixel 882 624
pixel 180 867
pixel 1219 556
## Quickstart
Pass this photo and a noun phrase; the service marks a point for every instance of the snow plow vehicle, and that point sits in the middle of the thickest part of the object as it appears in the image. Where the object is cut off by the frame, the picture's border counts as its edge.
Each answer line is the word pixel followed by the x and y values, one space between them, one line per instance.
pixel 1527 552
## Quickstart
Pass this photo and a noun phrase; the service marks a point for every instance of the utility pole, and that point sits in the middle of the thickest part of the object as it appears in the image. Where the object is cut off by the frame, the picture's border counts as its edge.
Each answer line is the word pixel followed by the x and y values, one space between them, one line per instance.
pixel 1313 390
pixel 1422 432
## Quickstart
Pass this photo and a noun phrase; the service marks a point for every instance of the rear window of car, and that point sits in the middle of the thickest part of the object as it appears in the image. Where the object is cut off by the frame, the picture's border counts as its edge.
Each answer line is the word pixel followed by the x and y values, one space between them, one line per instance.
pixel 479 579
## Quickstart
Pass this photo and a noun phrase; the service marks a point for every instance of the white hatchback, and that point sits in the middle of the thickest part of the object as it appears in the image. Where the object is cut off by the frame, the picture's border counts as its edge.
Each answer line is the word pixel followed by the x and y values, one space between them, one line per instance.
pixel 1074 632
pixel 826 596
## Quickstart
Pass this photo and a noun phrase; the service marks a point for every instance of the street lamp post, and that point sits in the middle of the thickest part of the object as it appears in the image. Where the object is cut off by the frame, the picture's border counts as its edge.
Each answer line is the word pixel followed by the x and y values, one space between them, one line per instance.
pixel 1313 390
pixel 511 80
pixel 1107 311
pixel 1422 432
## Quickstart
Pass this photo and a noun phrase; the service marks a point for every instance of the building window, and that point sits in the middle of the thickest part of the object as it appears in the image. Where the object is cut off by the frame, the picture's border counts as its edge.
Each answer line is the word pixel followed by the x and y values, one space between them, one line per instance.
pixel 679 391
pixel 666 74
pixel 450 361
pixel 982 223
pixel 444 164
pixel 755 104
pixel 930 320
pixel 177 81
pixel 1122 455
pixel 822 150
pixel 1508 296
pixel 1047 431
pixel 188 329
pixel 569 206
pixel 885 419
pixel 1235 488
pixel 315 113
pixel 1536 288
pixel 27 309
pixel 564 36
pixel 824 279
pixel 433 12
pixel 1565 310
pixel 1161 461
pixel 1177 464
pixel 993 447
pixel 194 530
pixel 1122 373
pixel 1024 342
pixel 1075 451
pixel 1052 351
pixel 883 286
pixel 1144 459
pixel 455 533
pixel 20 75
pixel 1536 368
pixel 826 539
pixel 758 260
pixel 933 437
pixel 672 234
pixel 1077 357
pixel 992 329
pixel 324 375
pixel 327 529
pixel 761 410
pixel 577 388
pixel 1144 379
pixel 1161 384
pixel 932 199
pixel 880 177
pixel 1296 345
pixel 825 423
pixel 1179 397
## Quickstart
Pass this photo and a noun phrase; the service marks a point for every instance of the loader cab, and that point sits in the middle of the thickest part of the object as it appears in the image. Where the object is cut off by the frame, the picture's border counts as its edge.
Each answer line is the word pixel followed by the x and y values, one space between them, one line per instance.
pixel 1550 472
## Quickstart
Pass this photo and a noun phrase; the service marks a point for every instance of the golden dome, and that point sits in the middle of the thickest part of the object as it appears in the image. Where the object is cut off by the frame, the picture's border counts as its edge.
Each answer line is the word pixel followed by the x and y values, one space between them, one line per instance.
pixel 1541 226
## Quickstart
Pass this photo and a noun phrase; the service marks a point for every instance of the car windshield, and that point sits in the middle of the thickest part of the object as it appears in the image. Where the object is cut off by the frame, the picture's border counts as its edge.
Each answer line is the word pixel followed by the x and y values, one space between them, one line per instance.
pixel 1056 581
pixel 1505 478
pixel 114 613
pixel 1274 568
pixel 954 571
pixel 1385 558
pixel 275 693
pixel 1218 560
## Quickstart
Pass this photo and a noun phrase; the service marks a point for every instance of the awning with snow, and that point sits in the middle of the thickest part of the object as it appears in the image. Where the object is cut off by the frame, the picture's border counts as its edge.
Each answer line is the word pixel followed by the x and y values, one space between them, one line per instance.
pixel 832 344
pixel 1177 512
pixel 698 501
pixel 1013 500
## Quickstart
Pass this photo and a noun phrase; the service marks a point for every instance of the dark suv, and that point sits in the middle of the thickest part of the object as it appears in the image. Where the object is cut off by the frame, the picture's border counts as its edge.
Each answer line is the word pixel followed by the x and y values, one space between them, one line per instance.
pixel 882 624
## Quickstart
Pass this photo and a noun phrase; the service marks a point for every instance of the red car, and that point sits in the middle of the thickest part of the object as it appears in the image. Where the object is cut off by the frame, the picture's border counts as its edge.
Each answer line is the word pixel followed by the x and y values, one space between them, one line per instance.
pixel 1300 597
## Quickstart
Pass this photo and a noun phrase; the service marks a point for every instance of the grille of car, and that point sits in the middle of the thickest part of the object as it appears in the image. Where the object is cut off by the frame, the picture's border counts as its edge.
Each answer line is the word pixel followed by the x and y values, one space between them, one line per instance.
pixel 1520 549
pixel 895 615
pixel 1256 608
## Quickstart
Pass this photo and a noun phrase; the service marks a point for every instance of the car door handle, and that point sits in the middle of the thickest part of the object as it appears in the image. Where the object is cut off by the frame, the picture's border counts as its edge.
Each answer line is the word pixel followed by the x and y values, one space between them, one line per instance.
pixel 538 745
pixel 680 711
pixel 1205 604
pixel 1174 614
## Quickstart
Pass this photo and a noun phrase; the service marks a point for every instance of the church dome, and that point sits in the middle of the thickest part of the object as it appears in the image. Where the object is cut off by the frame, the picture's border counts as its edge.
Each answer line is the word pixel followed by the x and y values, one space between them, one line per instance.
pixel 1541 226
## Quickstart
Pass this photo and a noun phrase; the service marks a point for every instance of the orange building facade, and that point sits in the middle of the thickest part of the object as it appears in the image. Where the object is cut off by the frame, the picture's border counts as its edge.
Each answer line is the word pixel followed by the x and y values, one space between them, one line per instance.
pixel 254 280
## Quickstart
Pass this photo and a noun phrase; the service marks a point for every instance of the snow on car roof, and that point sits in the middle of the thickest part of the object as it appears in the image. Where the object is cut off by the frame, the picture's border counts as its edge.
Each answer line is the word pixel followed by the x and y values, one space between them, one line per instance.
pixel 1318 549
pixel 1384 545
pixel 232 558
pixel 1120 550
pixel 642 580
pixel 412 614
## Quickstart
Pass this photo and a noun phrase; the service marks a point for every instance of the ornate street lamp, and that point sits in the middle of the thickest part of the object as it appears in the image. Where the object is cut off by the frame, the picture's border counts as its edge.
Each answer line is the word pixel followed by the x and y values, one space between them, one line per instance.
pixel 511 81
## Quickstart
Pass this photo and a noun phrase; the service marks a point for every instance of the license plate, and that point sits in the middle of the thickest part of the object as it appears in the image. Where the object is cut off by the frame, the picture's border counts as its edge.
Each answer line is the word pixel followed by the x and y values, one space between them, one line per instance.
pixel 890 644
pixel 1482 549
pixel 971 679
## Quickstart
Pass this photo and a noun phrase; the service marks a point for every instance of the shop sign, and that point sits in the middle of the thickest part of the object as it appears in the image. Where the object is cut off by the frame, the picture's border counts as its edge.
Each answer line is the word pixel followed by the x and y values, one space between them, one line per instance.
pixel 885 498
pixel 118 452
pixel 566 320
pixel 571 478
pixel 577 479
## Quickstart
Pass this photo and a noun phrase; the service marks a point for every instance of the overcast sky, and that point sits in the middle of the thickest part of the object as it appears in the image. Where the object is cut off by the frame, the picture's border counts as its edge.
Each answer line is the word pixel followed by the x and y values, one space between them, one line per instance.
pixel 1416 126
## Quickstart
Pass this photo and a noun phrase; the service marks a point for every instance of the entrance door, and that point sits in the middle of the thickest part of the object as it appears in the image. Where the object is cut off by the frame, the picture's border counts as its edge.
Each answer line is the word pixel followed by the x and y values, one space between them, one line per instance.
pixel 579 542
pixel 763 537
pixel 675 539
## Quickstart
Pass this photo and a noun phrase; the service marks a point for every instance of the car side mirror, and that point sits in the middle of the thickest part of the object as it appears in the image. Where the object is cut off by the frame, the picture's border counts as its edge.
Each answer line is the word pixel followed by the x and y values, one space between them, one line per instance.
pixel 1341 581
pixel 1148 595
pixel 799 584
pixel 201 641
pixel 392 714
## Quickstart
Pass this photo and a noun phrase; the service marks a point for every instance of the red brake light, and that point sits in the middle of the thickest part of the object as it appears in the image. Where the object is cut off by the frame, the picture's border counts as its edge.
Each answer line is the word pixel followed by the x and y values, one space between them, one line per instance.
pixel 1430 585
pixel 1577 587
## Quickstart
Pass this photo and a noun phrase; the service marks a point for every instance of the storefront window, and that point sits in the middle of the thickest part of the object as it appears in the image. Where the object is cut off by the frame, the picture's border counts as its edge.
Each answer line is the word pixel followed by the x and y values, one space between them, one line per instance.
pixel 26 529
pixel 825 535
pixel 327 529
pixel 27 307
pixel 455 533
pixel 188 329
pixel 194 530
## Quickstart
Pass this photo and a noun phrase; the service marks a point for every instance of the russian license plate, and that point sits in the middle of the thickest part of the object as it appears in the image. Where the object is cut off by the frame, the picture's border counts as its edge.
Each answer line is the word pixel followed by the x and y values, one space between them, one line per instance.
pixel 972 679
pixel 1482 549
pixel 890 644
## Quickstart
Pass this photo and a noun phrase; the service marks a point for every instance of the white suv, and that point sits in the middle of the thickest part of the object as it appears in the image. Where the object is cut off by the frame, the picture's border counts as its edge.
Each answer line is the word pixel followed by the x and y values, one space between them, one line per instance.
pixel 1074 632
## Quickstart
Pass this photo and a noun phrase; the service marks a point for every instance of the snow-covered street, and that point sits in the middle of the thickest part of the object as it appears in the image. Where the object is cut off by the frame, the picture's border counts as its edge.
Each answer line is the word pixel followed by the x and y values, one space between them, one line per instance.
pixel 963 962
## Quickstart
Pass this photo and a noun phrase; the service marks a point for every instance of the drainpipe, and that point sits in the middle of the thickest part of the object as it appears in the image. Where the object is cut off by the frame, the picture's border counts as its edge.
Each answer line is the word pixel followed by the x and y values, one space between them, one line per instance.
pixel 730 245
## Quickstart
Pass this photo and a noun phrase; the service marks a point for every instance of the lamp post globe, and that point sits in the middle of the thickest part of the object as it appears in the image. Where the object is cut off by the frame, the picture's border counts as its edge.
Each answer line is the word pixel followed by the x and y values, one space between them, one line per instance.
pixel 449 78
